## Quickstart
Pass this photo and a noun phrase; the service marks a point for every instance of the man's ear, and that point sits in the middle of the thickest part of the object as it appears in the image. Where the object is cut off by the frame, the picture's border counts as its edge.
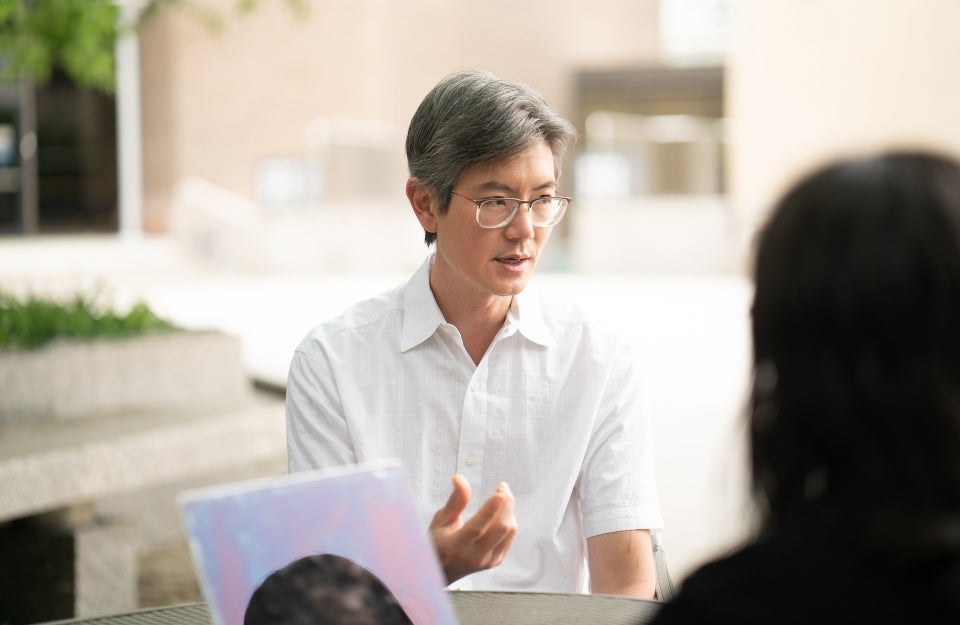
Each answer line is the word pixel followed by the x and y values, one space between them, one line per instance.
pixel 423 201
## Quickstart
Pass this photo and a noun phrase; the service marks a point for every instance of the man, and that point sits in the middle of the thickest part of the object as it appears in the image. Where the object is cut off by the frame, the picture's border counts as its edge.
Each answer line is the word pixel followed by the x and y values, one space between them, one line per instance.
pixel 460 372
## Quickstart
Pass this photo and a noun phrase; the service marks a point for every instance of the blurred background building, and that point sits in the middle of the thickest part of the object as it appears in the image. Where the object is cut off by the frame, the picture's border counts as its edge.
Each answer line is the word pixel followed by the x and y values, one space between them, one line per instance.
pixel 275 140
pixel 286 125
pixel 271 147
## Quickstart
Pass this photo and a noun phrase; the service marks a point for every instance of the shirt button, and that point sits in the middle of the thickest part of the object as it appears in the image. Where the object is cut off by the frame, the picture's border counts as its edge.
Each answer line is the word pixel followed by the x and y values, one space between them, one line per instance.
pixel 474 386
pixel 470 461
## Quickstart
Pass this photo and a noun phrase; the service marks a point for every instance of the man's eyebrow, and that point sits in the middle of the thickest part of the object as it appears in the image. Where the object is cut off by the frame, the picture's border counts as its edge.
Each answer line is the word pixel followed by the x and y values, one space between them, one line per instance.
pixel 494 186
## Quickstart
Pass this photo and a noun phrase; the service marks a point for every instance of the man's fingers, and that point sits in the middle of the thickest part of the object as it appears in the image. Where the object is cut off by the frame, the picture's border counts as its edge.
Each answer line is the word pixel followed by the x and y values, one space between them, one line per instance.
pixel 494 522
pixel 495 531
pixel 508 531
pixel 499 551
pixel 500 505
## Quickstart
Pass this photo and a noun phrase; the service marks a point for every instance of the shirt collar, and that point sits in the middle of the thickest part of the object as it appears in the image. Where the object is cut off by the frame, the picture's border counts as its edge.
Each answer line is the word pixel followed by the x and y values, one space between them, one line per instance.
pixel 422 316
pixel 526 315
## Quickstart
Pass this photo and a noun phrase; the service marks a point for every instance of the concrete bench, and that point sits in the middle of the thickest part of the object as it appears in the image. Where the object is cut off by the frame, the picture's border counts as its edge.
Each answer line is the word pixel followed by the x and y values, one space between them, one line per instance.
pixel 75 503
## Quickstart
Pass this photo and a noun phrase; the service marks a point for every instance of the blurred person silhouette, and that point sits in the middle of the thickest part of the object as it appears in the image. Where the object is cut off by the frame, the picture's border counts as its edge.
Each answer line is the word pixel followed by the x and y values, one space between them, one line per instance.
pixel 323 589
pixel 855 410
pixel 464 372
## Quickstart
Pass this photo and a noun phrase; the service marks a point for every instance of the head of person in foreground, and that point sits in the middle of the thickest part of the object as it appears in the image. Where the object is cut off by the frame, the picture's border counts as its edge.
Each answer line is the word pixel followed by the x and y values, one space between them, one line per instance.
pixel 855 414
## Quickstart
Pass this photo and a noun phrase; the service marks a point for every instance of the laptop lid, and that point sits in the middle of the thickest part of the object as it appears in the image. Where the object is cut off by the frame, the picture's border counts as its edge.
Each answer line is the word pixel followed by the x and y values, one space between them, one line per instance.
pixel 346 543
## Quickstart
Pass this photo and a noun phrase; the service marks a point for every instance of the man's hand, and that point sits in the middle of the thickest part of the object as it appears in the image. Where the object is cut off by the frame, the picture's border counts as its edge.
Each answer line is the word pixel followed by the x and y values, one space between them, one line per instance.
pixel 482 541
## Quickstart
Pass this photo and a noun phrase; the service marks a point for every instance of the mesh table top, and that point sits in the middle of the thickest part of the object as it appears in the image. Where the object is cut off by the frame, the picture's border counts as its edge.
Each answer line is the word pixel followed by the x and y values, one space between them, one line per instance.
pixel 472 608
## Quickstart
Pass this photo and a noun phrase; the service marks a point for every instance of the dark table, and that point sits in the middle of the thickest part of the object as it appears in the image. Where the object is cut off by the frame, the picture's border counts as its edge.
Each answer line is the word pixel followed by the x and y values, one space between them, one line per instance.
pixel 472 608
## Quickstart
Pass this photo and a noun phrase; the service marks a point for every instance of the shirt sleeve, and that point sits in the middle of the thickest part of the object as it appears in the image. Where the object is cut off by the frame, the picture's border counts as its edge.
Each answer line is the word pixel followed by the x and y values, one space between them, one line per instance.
pixel 618 489
pixel 317 433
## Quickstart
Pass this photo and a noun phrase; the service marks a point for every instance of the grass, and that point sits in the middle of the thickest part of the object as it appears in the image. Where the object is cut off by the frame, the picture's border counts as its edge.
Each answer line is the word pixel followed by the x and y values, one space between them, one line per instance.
pixel 34 321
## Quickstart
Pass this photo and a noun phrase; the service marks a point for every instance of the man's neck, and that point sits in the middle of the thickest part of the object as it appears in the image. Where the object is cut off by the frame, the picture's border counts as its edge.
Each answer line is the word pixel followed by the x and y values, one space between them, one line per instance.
pixel 477 319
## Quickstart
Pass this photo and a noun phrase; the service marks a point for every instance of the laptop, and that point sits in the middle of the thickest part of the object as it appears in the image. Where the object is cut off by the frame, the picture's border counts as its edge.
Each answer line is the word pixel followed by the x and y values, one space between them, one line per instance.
pixel 345 543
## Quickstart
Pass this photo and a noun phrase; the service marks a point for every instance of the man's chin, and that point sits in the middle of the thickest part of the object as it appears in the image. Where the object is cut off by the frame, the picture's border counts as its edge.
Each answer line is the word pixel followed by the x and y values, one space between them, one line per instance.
pixel 508 288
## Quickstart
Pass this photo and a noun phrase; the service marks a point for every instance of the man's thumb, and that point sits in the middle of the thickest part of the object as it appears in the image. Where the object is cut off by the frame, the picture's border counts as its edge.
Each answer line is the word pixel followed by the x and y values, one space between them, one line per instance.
pixel 457 502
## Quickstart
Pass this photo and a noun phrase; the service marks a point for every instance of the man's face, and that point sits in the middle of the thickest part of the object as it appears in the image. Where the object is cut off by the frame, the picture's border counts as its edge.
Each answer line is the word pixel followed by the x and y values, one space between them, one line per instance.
pixel 474 262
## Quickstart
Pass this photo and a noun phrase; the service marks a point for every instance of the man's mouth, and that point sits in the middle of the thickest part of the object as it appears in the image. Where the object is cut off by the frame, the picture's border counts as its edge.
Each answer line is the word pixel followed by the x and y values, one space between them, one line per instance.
pixel 512 260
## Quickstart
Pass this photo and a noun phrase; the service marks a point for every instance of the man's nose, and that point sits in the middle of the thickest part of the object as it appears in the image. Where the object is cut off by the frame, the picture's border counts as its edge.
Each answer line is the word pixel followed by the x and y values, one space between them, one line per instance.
pixel 521 226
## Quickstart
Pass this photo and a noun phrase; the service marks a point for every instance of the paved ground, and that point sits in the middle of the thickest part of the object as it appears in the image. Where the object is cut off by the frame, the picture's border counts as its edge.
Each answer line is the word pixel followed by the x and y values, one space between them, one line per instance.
pixel 692 332
pixel 166 577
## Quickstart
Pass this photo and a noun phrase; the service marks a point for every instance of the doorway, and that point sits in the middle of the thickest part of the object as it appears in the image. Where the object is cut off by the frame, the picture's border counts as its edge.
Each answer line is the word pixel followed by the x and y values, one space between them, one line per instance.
pixel 58 159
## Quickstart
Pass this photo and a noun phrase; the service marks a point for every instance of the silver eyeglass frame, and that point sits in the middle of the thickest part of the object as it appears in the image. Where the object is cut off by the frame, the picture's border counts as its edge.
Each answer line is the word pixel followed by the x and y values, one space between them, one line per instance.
pixel 506 221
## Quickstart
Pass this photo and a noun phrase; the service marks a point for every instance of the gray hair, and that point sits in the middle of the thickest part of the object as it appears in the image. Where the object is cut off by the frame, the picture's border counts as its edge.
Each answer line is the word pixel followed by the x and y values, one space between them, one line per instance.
pixel 474 117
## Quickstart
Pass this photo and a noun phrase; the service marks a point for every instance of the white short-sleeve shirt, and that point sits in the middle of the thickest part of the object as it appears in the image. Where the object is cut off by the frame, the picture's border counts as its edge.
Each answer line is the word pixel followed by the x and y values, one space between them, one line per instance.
pixel 553 409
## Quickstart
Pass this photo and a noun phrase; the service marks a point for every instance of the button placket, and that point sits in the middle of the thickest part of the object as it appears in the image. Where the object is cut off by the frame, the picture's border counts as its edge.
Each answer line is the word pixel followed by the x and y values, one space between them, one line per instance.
pixel 473 428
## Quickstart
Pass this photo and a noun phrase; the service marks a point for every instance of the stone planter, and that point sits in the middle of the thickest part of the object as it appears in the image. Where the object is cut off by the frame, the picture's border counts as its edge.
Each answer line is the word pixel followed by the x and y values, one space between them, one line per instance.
pixel 164 371
pixel 95 437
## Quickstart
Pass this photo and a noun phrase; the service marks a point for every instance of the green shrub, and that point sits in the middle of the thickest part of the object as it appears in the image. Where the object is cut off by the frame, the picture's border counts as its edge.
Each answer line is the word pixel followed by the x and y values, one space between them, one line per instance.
pixel 34 321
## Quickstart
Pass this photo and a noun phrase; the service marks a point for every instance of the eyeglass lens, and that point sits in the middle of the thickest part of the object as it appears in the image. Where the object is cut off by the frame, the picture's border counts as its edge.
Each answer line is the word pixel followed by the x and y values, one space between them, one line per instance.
pixel 497 212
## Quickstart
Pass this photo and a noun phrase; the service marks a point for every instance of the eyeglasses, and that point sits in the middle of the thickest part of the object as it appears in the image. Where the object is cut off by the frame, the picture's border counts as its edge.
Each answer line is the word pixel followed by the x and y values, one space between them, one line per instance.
pixel 497 212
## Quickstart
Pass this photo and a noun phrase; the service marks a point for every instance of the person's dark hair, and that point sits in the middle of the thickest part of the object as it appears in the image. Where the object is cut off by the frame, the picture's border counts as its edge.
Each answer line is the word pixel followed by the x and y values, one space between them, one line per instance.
pixel 323 590
pixel 475 117
pixel 855 414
